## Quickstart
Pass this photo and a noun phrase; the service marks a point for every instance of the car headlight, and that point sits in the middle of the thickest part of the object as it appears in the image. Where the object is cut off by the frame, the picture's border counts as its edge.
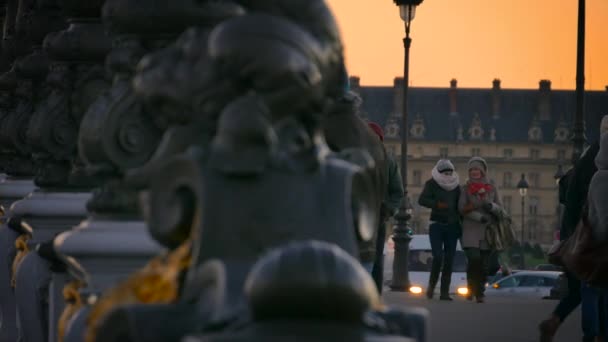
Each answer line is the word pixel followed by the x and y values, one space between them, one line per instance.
pixel 463 291
pixel 416 289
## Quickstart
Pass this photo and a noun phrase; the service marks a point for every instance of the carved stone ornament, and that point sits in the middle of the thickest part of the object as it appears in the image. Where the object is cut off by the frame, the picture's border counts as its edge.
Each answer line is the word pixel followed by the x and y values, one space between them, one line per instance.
pixel 76 78
pixel 117 134
pixel 261 171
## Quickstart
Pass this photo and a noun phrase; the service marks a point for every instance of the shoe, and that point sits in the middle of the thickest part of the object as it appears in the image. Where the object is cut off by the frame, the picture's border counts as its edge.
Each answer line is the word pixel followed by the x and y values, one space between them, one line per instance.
pixel 470 297
pixel 481 299
pixel 429 294
pixel 548 328
pixel 445 297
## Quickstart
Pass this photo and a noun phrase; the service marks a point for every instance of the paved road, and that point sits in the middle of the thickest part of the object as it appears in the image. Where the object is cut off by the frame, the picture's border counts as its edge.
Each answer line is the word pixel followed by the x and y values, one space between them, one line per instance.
pixel 498 320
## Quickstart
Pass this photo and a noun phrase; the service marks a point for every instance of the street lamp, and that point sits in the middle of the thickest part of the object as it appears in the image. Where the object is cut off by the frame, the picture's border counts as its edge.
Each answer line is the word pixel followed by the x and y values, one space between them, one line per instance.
pixel 522 186
pixel 402 234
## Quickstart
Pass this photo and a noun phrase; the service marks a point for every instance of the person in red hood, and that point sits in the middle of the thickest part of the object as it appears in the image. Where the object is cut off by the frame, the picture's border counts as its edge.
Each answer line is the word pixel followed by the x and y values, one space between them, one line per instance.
pixel 390 206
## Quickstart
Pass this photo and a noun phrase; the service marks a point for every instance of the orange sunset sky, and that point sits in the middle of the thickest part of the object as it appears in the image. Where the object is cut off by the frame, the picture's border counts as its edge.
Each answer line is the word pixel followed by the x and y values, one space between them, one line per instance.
pixel 475 41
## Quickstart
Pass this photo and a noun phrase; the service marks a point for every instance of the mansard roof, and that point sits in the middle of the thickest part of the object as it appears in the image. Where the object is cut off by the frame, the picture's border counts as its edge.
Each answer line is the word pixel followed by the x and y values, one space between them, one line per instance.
pixel 518 109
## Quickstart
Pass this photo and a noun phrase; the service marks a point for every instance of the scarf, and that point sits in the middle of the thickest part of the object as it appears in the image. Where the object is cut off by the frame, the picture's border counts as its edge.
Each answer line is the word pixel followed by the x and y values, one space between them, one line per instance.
pixel 446 182
pixel 479 188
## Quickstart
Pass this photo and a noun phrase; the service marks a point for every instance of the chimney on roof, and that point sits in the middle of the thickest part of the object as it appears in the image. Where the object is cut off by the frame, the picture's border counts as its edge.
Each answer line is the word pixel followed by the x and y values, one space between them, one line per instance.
pixel 496 84
pixel 355 84
pixel 453 97
pixel 496 98
pixel 544 85
pixel 544 100
pixel 398 91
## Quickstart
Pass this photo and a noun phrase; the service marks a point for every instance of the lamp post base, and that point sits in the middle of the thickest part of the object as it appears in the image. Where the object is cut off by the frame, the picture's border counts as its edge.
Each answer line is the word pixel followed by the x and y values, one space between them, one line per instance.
pixel 402 236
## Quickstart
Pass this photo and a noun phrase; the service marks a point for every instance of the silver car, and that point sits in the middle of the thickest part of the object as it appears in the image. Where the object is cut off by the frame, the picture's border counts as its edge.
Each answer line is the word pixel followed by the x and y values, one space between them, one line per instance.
pixel 525 284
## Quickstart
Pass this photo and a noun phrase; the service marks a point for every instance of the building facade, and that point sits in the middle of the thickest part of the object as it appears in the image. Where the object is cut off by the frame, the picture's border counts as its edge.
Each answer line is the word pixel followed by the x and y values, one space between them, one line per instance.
pixel 518 132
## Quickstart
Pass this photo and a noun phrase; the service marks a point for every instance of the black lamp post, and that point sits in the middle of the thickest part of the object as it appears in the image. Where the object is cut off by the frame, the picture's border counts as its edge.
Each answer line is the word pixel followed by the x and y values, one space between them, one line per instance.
pixel 560 207
pixel 402 233
pixel 523 186
pixel 578 137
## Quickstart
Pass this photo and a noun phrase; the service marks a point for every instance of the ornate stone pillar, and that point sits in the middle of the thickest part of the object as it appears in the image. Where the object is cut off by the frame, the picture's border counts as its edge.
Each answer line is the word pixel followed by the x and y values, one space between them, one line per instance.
pixel 77 77
pixel 17 179
pixel 45 127
pixel 117 135
pixel 257 177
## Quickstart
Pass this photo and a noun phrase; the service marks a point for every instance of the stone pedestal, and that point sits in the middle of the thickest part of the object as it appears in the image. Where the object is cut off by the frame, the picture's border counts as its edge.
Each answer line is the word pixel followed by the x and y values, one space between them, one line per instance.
pixel 50 213
pixel 106 250
pixel 40 272
pixel 102 252
pixel 11 190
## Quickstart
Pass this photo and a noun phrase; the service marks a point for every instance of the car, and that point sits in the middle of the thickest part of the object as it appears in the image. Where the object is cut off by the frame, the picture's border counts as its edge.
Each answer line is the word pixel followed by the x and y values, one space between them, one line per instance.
pixel 499 275
pixel 421 261
pixel 548 267
pixel 526 284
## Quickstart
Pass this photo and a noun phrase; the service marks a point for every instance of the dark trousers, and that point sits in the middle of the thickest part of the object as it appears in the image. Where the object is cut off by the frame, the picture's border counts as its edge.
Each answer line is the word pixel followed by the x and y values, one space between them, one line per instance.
pixel 571 300
pixel 593 304
pixel 444 238
pixel 477 265
pixel 378 269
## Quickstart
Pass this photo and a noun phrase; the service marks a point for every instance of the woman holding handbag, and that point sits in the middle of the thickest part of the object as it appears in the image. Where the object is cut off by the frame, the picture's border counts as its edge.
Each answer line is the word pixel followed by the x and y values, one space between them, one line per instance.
pixel 478 199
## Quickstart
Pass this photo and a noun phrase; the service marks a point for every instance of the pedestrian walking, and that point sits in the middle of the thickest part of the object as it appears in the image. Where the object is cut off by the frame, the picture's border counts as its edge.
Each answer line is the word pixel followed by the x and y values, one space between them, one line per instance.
pixel 441 194
pixel 574 187
pixel 390 206
pixel 478 200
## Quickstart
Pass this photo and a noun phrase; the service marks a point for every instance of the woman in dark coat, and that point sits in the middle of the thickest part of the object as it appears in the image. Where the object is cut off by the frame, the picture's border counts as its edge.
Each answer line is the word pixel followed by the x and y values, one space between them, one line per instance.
pixel 441 194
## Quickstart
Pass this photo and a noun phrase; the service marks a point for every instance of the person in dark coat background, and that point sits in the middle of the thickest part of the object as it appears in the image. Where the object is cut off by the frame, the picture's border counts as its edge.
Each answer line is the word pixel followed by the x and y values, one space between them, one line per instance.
pixel 574 187
pixel 390 206
pixel 441 194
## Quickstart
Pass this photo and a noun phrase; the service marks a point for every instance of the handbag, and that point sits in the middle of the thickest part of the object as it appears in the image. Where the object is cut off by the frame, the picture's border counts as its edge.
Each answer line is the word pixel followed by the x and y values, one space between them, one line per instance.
pixel 562 247
pixel 554 255
pixel 583 255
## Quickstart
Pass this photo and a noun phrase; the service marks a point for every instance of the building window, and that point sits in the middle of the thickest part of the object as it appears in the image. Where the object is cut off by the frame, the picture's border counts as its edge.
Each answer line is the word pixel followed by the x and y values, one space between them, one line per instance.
pixel 534 154
pixel 507 202
pixel 443 152
pixel 561 155
pixel 507 180
pixel 417 177
pixel 475 152
pixel 534 179
pixel 508 153
pixel 533 205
